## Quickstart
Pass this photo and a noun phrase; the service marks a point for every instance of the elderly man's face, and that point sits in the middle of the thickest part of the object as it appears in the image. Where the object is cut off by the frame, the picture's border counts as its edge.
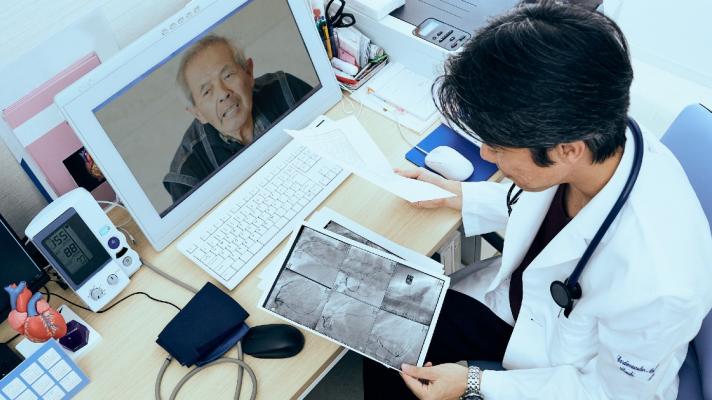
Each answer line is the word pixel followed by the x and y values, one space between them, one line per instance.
pixel 221 89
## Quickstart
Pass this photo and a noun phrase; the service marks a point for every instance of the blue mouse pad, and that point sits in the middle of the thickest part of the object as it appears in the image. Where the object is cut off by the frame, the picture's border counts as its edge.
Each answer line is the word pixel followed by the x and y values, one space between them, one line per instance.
pixel 444 136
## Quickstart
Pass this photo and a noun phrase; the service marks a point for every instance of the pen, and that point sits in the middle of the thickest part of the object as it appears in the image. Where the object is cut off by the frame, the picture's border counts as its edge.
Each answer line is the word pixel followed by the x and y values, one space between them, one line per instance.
pixel 327 40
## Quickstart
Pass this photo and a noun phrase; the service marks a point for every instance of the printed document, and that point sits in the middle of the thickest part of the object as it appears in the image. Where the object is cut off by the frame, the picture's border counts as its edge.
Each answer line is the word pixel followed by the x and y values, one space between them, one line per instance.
pixel 346 143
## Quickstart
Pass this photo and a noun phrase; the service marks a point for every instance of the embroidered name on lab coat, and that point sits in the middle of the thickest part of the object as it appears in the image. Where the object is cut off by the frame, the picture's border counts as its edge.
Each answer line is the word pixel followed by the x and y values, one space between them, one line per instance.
pixel 635 368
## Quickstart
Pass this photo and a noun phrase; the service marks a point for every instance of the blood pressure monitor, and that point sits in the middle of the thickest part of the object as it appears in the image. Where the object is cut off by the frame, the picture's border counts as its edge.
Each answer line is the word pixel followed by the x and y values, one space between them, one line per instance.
pixel 85 247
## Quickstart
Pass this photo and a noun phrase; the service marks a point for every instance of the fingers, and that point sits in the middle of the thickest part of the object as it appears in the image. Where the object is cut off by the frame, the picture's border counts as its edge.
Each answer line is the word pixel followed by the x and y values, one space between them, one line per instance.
pixel 415 386
pixel 419 372
pixel 409 173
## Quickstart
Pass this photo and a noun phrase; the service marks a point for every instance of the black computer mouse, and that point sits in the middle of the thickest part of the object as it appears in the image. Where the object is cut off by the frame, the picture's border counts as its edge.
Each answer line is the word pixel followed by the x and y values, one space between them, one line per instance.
pixel 273 341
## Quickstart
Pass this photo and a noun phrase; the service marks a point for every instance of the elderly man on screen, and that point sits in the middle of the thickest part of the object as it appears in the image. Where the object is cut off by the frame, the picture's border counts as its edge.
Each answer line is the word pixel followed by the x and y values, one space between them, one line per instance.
pixel 232 109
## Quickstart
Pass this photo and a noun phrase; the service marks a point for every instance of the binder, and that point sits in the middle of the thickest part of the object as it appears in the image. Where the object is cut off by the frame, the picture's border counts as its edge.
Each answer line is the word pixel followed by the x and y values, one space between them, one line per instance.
pixel 443 135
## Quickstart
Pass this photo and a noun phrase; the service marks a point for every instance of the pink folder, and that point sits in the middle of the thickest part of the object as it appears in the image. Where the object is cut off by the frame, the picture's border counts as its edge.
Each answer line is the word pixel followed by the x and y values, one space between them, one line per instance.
pixel 40 98
pixel 54 147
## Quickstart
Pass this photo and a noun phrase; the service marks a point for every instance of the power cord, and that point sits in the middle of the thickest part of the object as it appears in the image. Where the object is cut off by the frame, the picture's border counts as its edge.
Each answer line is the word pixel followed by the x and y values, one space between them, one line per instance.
pixel 48 294
pixel 113 204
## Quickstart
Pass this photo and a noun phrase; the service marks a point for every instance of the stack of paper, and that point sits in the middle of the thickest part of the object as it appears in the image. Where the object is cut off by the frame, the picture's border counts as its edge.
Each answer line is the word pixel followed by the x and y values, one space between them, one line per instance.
pixel 401 95
pixel 347 144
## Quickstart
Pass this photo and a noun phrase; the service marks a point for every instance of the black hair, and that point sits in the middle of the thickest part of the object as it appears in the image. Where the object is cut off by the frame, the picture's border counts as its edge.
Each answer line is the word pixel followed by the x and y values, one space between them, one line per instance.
pixel 540 75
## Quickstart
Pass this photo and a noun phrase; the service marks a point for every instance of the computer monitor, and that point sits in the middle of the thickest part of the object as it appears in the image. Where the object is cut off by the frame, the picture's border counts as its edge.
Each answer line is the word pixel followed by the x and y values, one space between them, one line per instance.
pixel 15 266
pixel 181 117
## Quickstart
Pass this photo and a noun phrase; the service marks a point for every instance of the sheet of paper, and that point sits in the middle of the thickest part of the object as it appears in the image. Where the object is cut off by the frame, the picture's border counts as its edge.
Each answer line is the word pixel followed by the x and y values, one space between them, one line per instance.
pixel 347 144
pixel 332 221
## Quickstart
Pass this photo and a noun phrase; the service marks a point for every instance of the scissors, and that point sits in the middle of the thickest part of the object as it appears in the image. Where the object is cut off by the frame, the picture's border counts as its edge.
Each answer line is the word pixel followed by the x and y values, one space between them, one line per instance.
pixel 340 19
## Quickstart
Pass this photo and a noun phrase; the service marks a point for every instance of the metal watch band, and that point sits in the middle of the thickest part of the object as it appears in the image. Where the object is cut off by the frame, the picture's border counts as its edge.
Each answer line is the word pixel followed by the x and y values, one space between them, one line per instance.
pixel 474 377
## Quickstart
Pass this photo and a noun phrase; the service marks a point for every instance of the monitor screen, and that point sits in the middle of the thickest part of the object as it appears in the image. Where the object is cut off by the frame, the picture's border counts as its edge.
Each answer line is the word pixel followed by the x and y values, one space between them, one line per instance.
pixel 15 266
pixel 182 121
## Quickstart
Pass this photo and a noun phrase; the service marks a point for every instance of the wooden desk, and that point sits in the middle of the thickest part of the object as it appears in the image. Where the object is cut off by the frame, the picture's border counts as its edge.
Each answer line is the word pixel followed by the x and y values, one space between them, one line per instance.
pixel 125 363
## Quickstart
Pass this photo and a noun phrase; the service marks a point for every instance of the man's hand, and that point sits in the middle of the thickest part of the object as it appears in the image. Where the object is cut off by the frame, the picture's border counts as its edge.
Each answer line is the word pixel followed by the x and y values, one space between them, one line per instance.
pixel 424 175
pixel 442 382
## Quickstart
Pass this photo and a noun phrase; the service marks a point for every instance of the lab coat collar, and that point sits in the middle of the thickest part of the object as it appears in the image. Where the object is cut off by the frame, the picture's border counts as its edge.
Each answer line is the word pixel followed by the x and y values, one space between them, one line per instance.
pixel 571 242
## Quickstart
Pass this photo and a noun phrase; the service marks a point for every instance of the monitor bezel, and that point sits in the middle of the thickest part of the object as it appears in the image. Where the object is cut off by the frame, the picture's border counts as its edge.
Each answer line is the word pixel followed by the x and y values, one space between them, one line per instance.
pixel 78 102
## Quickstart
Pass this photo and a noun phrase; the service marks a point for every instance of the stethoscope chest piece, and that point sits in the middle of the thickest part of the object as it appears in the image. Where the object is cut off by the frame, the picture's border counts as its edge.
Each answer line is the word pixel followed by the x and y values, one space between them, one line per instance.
pixel 564 295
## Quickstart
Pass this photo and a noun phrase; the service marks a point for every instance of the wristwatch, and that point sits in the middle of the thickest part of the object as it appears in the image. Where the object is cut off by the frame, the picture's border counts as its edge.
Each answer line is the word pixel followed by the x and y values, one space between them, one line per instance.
pixel 474 378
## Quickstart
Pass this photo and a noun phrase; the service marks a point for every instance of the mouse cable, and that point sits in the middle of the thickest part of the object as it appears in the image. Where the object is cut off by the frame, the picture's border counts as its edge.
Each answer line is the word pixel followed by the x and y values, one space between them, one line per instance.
pixel 400 130
pixel 239 361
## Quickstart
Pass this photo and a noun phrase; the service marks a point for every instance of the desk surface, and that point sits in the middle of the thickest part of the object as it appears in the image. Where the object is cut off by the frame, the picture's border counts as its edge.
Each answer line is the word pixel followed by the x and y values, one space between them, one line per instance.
pixel 125 363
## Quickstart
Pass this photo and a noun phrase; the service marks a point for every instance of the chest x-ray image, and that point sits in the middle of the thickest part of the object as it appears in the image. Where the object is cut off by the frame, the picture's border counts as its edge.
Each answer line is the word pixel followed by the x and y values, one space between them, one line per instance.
pixel 357 296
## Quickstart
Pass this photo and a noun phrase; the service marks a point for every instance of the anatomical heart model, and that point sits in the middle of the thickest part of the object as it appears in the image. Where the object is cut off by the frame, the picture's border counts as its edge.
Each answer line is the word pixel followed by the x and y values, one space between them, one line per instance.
pixel 32 316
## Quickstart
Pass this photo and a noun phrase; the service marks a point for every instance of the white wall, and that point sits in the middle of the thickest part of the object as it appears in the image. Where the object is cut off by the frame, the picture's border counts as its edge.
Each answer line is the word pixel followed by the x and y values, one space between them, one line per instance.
pixel 671 45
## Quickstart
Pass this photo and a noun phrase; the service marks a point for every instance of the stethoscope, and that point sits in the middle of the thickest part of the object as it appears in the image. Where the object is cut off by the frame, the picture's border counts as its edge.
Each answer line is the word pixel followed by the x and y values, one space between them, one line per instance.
pixel 567 292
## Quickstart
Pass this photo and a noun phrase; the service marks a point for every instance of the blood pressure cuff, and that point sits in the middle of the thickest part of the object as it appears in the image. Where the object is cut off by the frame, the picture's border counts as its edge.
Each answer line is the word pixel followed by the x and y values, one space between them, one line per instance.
pixel 210 324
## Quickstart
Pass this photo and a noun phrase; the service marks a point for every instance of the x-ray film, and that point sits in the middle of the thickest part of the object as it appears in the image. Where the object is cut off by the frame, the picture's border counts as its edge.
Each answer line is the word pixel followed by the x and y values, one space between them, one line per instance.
pixel 360 297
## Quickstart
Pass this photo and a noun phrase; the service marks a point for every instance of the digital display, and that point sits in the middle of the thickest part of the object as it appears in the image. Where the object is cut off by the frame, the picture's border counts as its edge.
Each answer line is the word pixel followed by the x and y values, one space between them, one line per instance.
pixel 68 249
pixel 73 249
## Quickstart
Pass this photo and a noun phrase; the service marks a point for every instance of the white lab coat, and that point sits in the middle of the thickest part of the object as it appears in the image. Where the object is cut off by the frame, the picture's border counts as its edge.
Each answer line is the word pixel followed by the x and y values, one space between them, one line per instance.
pixel 646 288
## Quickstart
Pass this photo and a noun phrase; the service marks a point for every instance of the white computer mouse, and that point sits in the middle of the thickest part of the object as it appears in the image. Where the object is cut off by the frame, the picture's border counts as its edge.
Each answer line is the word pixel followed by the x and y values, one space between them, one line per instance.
pixel 449 163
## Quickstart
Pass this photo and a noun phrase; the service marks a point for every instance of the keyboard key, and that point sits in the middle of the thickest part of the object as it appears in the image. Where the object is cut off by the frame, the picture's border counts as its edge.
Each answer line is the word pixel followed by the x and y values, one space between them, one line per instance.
pixel 268 235
pixel 228 273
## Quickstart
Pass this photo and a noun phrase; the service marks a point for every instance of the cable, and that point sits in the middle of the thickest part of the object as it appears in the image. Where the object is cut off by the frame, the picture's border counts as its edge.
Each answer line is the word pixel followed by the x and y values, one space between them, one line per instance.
pixel 170 278
pixel 49 295
pixel 351 105
pixel 400 130
pixel 127 234
pixel 115 204
pixel 242 365
pixel 115 304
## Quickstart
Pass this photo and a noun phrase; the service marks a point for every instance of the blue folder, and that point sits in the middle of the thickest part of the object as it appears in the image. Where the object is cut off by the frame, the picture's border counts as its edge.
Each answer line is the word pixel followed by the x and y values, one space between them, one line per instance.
pixel 444 136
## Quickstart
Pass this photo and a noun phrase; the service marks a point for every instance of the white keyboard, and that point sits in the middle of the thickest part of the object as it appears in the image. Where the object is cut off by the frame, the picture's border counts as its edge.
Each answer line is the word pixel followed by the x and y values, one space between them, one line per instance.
pixel 236 236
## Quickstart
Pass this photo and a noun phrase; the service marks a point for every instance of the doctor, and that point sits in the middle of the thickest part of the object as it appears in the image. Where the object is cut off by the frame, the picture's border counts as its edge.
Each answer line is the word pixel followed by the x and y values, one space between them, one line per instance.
pixel 546 89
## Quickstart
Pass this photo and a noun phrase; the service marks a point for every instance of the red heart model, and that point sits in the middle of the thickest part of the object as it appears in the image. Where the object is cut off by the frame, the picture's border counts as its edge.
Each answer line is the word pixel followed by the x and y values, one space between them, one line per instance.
pixel 32 316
